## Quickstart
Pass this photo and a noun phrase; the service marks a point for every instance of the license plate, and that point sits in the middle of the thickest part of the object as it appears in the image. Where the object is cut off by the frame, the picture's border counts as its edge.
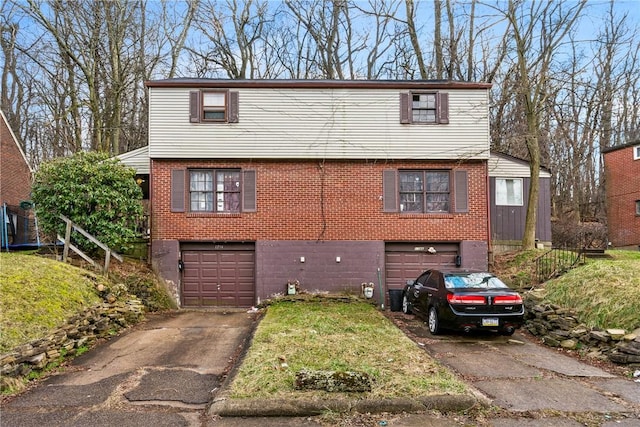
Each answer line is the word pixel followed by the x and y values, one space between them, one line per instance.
pixel 490 321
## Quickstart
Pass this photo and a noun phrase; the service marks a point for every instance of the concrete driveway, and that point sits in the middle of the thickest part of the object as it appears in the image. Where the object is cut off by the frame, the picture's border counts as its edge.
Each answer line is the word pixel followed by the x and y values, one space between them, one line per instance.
pixel 161 373
pixel 530 382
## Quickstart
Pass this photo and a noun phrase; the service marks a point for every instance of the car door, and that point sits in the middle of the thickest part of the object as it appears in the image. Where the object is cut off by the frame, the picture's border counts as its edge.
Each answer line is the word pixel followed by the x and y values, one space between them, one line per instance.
pixel 433 289
pixel 417 293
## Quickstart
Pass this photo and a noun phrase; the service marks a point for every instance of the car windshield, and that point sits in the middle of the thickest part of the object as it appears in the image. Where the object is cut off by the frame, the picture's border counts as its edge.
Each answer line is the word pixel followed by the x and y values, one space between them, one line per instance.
pixel 473 280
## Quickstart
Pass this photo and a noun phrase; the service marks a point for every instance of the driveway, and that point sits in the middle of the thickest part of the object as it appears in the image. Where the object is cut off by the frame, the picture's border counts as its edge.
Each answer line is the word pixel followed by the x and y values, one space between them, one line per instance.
pixel 160 373
pixel 537 385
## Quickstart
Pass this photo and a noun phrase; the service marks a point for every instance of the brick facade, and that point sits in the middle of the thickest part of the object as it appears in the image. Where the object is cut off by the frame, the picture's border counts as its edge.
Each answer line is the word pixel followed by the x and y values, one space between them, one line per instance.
pixel 15 175
pixel 622 183
pixel 310 200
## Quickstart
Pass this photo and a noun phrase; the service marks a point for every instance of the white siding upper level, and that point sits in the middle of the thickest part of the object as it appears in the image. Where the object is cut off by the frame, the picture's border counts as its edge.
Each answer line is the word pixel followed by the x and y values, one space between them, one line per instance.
pixel 505 166
pixel 343 120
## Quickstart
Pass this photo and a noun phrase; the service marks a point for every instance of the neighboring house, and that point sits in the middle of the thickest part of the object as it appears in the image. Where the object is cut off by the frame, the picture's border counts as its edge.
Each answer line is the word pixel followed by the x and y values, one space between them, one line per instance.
pixel 622 185
pixel 15 190
pixel 509 184
pixel 257 183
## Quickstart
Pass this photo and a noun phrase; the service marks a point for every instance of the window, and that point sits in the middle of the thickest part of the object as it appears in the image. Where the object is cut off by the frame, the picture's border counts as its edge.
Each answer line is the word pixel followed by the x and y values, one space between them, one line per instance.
pixel 424 191
pixel 509 192
pixel 638 207
pixel 214 106
pixel 208 106
pixel 424 107
pixel 636 152
pixel 214 190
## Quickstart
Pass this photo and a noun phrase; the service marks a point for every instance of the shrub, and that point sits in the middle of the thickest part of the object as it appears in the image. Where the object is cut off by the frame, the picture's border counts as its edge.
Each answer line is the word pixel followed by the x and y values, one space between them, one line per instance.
pixel 97 193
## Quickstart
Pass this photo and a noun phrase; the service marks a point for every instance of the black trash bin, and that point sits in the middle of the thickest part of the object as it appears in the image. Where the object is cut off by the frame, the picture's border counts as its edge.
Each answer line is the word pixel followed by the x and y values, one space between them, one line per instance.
pixel 395 299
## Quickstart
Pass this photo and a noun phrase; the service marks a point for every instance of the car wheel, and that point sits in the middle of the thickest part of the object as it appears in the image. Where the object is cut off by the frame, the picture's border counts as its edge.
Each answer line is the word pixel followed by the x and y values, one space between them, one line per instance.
pixel 434 322
pixel 406 307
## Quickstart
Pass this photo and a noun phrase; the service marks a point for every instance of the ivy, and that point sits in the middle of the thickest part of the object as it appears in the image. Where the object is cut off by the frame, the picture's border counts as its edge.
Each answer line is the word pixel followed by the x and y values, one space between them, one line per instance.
pixel 96 192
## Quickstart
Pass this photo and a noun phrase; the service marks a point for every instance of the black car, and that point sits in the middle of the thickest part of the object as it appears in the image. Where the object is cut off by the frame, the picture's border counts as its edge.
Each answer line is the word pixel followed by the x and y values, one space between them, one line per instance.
pixel 463 300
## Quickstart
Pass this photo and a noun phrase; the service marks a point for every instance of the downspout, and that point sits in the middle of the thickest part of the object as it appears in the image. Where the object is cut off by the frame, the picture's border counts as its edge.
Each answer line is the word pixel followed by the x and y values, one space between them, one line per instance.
pixel 488 187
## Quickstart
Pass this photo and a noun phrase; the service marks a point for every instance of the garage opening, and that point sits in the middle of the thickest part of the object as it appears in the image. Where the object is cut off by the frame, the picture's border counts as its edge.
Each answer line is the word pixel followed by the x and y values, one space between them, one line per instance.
pixel 217 275
pixel 405 261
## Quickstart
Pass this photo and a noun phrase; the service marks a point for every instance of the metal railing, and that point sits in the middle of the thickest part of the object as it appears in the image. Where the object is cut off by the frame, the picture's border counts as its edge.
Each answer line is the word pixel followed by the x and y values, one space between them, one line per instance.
pixel 558 261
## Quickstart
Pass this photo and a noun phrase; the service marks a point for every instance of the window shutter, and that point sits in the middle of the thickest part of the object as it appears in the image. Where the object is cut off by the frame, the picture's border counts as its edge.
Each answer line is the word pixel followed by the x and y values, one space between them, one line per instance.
pixel 404 108
pixel 233 107
pixel 461 188
pixel 389 191
pixel 443 107
pixel 194 106
pixel 178 190
pixel 249 191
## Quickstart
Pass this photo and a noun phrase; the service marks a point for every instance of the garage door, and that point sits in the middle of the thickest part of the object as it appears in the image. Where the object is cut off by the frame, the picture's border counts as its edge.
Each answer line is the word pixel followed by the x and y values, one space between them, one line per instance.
pixel 405 261
pixel 223 276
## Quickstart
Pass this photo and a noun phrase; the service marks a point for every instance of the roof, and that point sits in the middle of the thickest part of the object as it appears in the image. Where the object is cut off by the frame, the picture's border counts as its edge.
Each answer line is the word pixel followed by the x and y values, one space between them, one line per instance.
pixel 503 165
pixel 138 159
pixel 620 147
pixel 318 84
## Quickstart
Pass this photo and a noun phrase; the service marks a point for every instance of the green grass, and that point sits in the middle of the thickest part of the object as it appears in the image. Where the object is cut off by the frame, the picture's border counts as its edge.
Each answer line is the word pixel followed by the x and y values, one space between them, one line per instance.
pixel 337 336
pixel 604 293
pixel 38 294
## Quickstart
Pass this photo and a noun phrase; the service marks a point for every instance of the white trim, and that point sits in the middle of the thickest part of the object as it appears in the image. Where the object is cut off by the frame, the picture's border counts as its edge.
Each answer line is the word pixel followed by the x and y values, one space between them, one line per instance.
pixel 15 140
pixel 636 152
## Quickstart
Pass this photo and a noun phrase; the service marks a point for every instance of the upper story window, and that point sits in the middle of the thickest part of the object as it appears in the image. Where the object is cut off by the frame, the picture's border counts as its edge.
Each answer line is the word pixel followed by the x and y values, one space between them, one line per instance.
pixel 636 152
pixel 509 192
pixel 214 190
pixel 207 106
pixel 424 191
pixel 424 107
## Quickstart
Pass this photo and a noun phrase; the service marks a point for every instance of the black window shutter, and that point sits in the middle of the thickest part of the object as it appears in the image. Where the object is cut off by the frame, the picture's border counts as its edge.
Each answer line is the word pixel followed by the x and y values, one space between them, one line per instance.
pixel 233 107
pixel 389 191
pixel 404 108
pixel 461 188
pixel 249 191
pixel 443 107
pixel 178 190
pixel 194 106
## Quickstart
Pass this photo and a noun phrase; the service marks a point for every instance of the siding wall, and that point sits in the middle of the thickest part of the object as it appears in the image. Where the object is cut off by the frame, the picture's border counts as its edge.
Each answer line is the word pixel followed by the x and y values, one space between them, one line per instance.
pixel 507 222
pixel 622 181
pixel 304 123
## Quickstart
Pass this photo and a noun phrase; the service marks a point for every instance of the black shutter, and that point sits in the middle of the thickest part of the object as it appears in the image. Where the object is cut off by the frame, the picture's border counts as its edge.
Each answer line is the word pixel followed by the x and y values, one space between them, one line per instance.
pixel 461 188
pixel 404 108
pixel 178 190
pixel 389 191
pixel 233 107
pixel 194 106
pixel 249 191
pixel 443 107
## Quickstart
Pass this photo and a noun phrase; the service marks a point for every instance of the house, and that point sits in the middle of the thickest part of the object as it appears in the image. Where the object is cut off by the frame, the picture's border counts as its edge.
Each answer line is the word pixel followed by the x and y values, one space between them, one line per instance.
pixel 622 186
pixel 16 215
pixel 330 184
pixel 509 183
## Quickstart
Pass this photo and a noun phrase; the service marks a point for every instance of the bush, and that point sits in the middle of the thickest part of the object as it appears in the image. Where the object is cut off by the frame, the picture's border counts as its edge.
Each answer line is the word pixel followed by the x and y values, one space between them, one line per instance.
pixel 95 192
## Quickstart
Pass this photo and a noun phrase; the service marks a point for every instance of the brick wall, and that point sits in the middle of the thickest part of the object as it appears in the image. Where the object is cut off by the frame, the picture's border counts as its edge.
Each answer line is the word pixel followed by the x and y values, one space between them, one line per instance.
pixel 15 177
pixel 308 200
pixel 622 181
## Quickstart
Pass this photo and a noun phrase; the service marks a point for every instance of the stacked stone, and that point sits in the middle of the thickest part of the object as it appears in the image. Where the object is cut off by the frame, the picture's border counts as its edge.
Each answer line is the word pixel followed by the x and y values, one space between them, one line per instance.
pixel 559 327
pixel 82 330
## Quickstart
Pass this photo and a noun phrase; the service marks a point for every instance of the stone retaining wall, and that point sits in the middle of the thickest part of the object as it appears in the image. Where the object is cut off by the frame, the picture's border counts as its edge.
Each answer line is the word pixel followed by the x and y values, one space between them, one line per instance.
pixel 79 332
pixel 559 327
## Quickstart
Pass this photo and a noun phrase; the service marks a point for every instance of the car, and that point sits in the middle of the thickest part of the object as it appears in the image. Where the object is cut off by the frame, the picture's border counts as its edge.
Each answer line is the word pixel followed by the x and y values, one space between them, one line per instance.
pixel 463 300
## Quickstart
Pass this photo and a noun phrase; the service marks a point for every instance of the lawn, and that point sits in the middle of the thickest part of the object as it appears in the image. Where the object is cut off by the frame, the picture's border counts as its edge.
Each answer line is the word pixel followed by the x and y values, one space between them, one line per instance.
pixel 38 294
pixel 336 336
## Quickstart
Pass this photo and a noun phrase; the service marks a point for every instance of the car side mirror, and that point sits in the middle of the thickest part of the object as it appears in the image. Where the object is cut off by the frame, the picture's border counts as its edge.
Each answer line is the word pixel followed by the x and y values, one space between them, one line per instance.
pixel 410 282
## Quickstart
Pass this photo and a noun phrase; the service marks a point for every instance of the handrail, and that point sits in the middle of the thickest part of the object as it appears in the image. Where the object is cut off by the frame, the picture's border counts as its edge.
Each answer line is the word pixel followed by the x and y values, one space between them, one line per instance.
pixel 68 245
pixel 558 261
